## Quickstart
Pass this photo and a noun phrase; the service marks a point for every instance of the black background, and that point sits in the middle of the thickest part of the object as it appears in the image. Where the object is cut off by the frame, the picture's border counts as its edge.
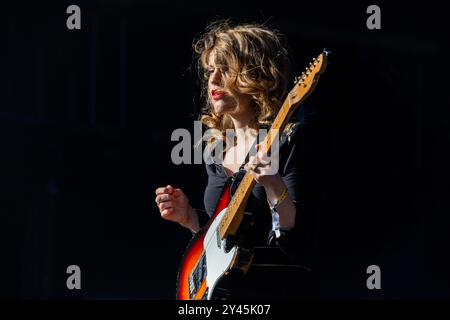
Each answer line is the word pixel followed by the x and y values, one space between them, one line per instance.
pixel 86 119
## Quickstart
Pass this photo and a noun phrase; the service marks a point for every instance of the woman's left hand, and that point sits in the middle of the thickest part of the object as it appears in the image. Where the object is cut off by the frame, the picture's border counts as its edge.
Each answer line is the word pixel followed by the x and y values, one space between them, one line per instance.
pixel 264 168
pixel 265 172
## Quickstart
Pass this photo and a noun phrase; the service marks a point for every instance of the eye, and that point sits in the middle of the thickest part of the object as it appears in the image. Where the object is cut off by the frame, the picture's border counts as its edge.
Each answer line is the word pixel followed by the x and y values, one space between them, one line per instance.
pixel 208 72
pixel 224 69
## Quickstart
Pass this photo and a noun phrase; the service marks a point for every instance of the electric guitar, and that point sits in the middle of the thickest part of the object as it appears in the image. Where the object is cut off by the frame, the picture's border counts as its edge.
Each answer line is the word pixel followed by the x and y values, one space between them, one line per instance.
pixel 217 254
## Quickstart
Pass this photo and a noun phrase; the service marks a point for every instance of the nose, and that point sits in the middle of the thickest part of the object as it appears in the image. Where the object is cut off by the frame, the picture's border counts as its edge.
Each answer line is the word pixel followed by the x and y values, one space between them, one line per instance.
pixel 216 77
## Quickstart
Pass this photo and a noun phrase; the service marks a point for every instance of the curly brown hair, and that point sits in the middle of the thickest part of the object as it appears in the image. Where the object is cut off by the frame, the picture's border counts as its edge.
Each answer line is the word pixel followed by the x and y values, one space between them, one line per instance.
pixel 257 60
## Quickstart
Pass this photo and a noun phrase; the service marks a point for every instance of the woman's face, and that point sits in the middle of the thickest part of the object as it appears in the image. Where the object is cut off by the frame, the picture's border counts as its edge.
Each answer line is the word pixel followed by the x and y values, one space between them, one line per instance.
pixel 222 101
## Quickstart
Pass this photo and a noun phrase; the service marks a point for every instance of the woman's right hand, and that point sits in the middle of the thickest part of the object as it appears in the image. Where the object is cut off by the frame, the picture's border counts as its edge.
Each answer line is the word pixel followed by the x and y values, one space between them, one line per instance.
pixel 174 206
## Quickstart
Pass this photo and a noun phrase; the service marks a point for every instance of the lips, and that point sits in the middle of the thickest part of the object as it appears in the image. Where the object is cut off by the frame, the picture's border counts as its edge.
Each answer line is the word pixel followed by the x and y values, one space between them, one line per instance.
pixel 217 94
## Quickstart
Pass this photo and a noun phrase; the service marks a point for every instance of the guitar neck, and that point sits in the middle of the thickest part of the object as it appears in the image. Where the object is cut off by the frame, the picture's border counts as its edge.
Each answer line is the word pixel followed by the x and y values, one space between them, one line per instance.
pixel 235 210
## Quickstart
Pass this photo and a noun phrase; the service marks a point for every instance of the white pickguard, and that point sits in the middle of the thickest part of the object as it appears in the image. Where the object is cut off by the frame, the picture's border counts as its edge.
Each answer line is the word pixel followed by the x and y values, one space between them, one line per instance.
pixel 217 260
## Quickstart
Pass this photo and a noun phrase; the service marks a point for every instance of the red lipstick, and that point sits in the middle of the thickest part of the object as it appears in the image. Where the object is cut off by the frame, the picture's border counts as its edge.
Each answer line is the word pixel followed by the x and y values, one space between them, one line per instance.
pixel 217 94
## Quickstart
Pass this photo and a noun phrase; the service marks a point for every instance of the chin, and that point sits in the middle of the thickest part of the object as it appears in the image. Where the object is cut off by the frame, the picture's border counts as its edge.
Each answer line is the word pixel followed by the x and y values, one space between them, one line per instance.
pixel 223 109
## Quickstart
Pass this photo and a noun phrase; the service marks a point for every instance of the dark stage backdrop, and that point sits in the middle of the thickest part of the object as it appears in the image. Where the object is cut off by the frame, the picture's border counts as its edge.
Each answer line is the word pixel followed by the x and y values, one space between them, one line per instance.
pixel 86 118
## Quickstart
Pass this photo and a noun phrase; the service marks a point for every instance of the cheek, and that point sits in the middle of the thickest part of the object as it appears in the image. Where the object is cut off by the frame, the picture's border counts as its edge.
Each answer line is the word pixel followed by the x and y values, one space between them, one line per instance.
pixel 245 99
pixel 229 102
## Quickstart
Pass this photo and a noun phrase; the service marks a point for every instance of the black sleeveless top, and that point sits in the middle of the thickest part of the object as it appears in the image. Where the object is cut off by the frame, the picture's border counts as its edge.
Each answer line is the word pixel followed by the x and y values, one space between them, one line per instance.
pixel 295 158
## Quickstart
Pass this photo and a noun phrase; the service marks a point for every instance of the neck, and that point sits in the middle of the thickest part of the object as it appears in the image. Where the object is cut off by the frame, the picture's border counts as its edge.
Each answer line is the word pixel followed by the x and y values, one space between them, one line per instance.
pixel 244 125
pixel 244 131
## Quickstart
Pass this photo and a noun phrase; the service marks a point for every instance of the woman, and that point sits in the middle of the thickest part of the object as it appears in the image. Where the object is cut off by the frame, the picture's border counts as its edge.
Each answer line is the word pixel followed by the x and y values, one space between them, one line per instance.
pixel 246 71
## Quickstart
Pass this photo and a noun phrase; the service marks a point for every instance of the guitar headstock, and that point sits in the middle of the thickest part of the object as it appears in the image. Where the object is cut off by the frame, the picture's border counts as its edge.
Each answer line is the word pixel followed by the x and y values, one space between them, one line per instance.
pixel 305 83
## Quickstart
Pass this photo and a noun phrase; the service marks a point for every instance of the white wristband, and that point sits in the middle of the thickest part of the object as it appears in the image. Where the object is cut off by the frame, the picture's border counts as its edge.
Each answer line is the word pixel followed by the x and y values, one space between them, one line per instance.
pixel 275 222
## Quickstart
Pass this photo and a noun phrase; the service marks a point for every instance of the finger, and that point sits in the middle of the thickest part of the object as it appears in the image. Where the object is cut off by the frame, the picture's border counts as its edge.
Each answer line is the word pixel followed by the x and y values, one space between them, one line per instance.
pixel 252 161
pixel 256 163
pixel 251 166
pixel 265 160
pixel 163 198
pixel 165 205
pixel 264 171
pixel 160 190
pixel 257 172
pixel 167 213
pixel 177 192
pixel 255 175
pixel 169 189
pixel 247 167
